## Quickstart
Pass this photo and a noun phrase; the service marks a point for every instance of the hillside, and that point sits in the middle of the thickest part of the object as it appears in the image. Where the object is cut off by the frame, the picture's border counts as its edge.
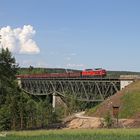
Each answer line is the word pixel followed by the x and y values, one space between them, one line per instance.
pixel 118 73
pixel 32 70
pixel 128 101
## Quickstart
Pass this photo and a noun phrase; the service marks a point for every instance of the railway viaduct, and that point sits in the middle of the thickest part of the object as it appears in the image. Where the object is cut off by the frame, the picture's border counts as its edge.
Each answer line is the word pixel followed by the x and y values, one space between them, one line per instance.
pixel 83 89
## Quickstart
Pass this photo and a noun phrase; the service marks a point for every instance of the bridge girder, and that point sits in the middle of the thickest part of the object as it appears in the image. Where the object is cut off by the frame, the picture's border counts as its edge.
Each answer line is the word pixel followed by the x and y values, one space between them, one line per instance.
pixel 90 90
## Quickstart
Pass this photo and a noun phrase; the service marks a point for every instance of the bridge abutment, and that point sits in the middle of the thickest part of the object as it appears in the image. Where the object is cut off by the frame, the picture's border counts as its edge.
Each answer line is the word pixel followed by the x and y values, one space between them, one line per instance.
pixel 124 83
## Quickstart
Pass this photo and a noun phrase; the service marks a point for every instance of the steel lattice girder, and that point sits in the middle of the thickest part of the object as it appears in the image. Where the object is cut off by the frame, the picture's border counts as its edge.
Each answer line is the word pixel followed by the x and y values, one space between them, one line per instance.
pixel 82 89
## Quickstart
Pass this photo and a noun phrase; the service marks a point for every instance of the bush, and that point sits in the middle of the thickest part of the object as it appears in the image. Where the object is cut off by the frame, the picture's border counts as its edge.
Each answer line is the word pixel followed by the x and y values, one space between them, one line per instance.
pixel 108 121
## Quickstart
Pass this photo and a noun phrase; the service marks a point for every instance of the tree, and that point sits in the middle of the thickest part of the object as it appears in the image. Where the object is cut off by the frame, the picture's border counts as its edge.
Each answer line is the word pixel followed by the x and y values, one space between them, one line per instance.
pixel 8 70
pixel 72 104
pixel 31 108
pixel 46 111
pixel 14 111
pixel 8 66
pixel 5 120
pixel 8 89
pixel 23 99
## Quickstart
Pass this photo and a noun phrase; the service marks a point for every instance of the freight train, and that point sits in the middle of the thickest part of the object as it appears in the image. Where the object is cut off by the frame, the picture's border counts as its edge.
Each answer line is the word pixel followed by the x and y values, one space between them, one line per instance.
pixel 85 73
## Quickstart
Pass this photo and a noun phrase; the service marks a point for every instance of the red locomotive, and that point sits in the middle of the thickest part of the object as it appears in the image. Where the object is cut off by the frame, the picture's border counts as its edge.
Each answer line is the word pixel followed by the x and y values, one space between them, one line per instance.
pixel 95 72
pixel 86 73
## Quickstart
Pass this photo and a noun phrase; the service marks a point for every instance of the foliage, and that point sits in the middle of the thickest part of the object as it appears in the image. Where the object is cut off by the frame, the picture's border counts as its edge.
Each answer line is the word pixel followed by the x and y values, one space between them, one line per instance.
pixel 73 105
pixel 8 88
pixel 19 110
pixel 92 110
pixel 108 121
pixel 33 70
pixel 8 69
pixel 5 118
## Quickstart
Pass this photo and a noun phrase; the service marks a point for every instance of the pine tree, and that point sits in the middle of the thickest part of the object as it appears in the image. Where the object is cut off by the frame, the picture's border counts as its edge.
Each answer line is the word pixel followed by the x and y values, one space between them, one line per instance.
pixel 8 70
pixel 31 108
pixel 8 89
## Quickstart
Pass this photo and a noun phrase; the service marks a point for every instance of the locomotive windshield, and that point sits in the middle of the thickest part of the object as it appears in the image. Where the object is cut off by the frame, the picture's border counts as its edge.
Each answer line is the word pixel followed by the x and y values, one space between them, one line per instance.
pixel 88 69
pixel 98 68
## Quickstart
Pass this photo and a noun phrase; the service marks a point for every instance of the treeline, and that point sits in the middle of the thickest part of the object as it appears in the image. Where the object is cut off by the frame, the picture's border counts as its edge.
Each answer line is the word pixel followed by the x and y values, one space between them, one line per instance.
pixel 116 74
pixel 19 110
pixel 34 70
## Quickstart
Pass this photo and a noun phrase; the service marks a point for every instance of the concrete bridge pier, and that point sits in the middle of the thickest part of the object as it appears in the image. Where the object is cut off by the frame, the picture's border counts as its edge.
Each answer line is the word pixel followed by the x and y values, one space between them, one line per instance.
pixel 54 101
pixel 19 82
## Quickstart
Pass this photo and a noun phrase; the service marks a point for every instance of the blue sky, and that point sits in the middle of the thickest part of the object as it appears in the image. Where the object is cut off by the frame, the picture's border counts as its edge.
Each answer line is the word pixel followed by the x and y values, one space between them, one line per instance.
pixel 78 34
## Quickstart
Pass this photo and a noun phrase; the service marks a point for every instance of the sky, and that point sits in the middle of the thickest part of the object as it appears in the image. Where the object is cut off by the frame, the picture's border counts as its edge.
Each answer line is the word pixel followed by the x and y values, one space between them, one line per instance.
pixel 75 34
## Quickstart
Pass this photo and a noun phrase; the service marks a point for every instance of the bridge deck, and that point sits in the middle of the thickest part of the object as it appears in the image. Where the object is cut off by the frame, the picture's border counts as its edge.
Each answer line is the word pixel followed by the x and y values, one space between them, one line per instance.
pixel 83 78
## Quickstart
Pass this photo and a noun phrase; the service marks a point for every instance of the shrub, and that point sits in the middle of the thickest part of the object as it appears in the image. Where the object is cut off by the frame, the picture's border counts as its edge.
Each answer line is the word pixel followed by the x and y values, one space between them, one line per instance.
pixel 108 121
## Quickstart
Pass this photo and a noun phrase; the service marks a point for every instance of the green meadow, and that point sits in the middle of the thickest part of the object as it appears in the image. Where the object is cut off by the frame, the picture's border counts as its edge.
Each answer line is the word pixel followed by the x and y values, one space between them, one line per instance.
pixel 78 134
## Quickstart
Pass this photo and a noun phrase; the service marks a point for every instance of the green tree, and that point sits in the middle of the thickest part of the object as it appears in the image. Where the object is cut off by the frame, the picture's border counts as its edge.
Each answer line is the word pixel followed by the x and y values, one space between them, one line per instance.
pixel 8 70
pixel 72 104
pixel 47 111
pixel 14 111
pixel 40 115
pixel 8 89
pixel 31 108
pixel 8 66
pixel 23 99
pixel 5 119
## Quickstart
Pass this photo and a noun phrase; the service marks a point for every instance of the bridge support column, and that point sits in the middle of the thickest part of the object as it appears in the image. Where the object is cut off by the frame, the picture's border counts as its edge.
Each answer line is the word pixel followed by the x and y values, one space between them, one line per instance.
pixel 19 82
pixel 54 101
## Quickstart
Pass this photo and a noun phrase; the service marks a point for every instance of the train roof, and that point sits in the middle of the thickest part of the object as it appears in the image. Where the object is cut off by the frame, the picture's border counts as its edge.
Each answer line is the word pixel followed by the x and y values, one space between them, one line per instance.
pixel 93 69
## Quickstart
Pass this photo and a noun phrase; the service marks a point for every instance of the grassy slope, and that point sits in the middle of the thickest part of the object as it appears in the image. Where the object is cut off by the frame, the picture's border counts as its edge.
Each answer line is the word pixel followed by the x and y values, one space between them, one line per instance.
pixel 128 99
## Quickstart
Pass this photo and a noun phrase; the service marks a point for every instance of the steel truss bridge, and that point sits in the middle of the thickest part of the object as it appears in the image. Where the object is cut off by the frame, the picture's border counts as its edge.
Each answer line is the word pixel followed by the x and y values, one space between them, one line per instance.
pixel 83 89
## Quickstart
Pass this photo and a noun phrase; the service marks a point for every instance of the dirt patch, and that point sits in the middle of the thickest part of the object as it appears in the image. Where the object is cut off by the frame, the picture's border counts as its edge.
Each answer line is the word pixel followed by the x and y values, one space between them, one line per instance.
pixel 96 122
pixel 85 123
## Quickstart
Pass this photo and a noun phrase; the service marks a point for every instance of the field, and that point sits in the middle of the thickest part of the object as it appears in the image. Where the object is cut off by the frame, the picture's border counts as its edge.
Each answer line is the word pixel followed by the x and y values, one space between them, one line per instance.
pixel 94 134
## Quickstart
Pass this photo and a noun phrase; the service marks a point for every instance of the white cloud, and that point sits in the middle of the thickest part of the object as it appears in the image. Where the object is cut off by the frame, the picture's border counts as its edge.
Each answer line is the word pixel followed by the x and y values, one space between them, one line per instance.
pixel 19 40
pixel 75 65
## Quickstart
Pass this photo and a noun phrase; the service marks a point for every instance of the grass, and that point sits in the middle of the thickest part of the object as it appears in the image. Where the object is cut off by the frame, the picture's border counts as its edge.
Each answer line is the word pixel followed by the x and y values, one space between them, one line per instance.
pixel 94 134
pixel 91 111
pixel 130 102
